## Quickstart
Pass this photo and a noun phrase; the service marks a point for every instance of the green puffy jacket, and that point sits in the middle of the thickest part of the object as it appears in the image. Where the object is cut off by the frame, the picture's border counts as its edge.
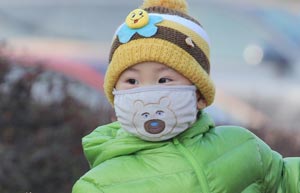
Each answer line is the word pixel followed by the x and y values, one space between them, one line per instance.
pixel 203 159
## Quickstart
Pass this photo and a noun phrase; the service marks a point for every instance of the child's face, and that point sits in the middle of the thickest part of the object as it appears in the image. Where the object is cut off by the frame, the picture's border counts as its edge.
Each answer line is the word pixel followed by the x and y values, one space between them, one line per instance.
pixel 152 73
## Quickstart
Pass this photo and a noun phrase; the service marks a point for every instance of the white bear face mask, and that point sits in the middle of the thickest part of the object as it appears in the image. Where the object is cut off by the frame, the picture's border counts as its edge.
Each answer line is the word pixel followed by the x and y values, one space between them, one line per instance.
pixel 156 113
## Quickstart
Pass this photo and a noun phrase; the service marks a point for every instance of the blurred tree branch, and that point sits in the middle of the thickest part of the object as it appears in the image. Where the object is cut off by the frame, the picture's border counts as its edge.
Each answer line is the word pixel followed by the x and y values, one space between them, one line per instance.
pixel 40 143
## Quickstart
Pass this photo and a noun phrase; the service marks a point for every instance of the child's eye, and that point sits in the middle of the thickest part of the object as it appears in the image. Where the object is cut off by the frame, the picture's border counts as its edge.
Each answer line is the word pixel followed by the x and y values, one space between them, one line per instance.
pixel 132 81
pixel 164 80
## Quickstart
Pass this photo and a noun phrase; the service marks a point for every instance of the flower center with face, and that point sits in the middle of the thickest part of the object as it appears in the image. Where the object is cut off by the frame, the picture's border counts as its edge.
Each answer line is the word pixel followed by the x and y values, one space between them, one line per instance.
pixel 138 18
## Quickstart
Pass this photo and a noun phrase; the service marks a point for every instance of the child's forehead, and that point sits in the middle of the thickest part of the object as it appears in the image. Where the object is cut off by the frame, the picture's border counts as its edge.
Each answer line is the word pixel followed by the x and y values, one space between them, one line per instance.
pixel 149 65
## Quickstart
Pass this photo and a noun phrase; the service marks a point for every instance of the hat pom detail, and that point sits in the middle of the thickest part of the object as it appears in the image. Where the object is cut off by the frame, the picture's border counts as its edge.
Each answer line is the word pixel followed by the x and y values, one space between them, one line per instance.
pixel 178 5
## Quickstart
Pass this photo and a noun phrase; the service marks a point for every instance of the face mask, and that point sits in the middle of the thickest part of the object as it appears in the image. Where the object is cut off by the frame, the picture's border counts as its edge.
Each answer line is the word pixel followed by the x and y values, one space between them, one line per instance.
pixel 156 113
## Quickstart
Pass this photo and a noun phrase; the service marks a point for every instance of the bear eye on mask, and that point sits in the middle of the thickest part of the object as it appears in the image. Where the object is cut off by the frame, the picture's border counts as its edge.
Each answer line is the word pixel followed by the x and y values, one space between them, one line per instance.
pixel 156 113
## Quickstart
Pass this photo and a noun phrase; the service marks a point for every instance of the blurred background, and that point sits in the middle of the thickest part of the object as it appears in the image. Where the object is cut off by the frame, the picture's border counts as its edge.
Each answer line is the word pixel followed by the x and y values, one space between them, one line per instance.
pixel 53 55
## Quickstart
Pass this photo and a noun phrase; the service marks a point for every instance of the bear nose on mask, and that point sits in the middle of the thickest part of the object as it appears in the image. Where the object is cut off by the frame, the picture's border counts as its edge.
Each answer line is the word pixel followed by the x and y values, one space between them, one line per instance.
pixel 154 126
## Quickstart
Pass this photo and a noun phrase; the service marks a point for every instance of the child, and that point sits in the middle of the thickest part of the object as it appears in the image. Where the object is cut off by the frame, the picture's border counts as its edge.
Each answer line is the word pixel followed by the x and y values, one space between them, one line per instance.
pixel 158 82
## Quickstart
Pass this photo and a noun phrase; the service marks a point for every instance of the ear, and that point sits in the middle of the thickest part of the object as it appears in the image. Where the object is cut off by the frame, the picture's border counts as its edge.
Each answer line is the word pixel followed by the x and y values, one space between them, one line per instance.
pixel 201 102
pixel 138 105
pixel 165 101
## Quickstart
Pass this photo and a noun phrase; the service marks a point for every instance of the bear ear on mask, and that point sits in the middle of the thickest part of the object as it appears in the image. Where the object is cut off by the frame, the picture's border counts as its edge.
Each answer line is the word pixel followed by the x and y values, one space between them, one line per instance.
pixel 165 102
pixel 139 104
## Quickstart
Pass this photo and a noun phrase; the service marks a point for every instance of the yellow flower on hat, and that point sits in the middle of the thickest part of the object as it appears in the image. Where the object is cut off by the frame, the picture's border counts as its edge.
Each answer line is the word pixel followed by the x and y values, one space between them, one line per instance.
pixel 138 21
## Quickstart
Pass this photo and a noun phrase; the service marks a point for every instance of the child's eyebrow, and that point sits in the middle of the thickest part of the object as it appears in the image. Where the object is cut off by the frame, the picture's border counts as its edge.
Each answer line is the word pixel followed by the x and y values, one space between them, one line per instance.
pixel 163 68
pixel 132 69
pixel 158 69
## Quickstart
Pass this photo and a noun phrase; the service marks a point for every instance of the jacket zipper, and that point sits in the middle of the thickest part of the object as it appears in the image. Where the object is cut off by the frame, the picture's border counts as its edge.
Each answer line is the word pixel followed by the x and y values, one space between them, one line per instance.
pixel 197 166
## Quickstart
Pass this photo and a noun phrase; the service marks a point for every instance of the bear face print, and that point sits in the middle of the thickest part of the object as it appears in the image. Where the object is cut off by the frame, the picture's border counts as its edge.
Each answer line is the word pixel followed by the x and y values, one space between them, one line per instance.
pixel 154 119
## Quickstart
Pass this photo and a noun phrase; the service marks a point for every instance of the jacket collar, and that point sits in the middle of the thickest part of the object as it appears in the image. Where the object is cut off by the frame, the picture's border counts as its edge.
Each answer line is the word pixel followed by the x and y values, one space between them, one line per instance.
pixel 110 141
pixel 202 125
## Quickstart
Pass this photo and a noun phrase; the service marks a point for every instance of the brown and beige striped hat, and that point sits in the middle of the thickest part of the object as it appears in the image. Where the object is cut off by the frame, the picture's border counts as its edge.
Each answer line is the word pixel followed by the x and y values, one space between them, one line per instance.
pixel 162 31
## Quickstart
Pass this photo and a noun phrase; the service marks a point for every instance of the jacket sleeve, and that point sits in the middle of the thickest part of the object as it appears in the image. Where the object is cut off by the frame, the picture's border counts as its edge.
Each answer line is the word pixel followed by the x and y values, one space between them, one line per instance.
pixel 83 185
pixel 280 175
pixel 93 147
pixel 290 180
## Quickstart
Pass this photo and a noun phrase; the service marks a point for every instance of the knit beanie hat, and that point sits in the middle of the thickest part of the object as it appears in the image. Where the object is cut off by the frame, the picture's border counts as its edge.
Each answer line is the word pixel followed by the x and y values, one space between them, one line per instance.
pixel 162 31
